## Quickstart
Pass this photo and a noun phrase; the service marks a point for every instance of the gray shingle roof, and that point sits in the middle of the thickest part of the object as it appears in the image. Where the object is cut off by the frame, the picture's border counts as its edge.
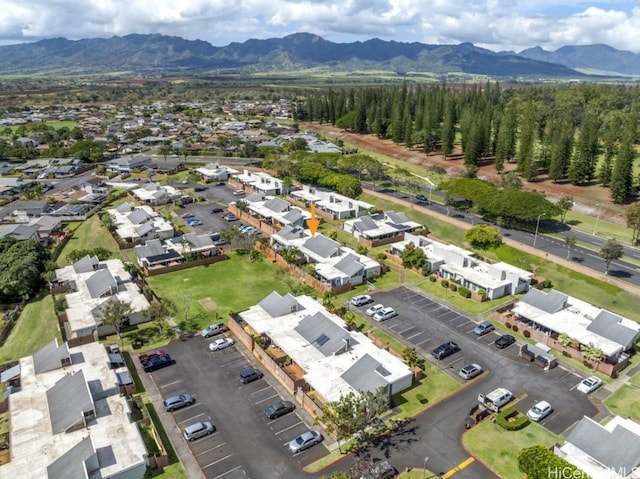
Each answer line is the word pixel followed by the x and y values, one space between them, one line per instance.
pixel 144 228
pixel 68 401
pixel 86 264
pixel 293 215
pixel 322 246
pixel 366 374
pixel 291 232
pixel 199 241
pixel 277 305
pixel 50 357
pixel 152 247
pixel 10 373
pixel 398 218
pixel 126 207
pixel 550 302
pixel 607 325
pixel 349 265
pixel 365 223
pixel 254 197
pixel 71 465
pixel 325 335
pixel 277 205
pixel 617 450
pixel 138 216
pixel 100 283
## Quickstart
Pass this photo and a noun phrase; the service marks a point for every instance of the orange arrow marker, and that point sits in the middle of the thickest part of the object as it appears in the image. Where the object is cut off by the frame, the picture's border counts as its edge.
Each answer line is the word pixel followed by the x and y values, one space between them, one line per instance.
pixel 313 222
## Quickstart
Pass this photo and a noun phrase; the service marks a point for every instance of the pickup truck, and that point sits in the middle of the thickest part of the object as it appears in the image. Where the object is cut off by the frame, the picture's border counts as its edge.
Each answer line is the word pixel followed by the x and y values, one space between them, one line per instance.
pixel 157 362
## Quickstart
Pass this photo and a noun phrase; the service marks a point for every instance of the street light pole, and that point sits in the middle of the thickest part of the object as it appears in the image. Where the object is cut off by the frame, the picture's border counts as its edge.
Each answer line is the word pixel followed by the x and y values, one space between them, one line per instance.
pixel 595 228
pixel 535 236
pixel 424 467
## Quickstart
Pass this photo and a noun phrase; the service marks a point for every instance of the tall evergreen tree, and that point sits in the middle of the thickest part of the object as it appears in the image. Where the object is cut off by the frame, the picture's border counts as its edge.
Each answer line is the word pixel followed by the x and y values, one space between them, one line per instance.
pixel 526 161
pixel 583 164
pixel 448 128
pixel 622 173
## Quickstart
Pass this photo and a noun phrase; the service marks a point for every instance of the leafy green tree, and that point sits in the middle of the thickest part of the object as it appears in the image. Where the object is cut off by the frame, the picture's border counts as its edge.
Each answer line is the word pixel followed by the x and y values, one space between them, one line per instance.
pixel 115 313
pixel 592 352
pixel 22 265
pixel 411 255
pixel 565 203
pixel 77 254
pixel 158 312
pixel 632 214
pixel 609 252
pixel 483 236
pixel 537 462
pixel 510 181
pixel 412 358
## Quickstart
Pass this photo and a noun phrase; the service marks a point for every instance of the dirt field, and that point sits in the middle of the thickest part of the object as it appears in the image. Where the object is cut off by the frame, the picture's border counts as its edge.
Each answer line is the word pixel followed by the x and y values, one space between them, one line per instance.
pixel 586 198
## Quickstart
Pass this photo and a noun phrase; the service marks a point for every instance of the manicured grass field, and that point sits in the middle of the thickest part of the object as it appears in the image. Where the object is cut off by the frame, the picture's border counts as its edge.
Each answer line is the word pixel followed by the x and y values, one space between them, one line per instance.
pixel 625 402
pixel 90 234
pixel 36 326
pixel 232 285
pixel 499 448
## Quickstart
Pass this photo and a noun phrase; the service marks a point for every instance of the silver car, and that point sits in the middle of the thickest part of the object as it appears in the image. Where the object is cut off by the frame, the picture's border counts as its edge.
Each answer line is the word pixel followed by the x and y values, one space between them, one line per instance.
pixel 178 401
pixel 304 441
pixel 198 430
pixel 470 371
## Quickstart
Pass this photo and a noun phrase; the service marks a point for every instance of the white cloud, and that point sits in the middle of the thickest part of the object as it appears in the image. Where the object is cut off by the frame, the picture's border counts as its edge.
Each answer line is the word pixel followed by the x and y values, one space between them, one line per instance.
pixel 493 24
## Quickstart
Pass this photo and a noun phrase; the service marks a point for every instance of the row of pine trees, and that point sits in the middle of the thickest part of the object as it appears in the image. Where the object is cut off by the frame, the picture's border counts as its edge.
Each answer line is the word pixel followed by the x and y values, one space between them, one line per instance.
pixel 581 134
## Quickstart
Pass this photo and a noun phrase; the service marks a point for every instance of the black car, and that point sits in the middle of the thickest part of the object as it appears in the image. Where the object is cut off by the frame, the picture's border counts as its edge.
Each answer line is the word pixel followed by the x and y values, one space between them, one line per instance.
pixel 445 350
pixel 279 408
pixel 421 198
pixel 217 209
pixel 157 362
pixel 504 341
pixel 250 374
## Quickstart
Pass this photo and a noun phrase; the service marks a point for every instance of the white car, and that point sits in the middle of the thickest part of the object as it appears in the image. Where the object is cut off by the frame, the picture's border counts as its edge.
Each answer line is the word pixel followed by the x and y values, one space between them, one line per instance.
pixel 539 411
pixel 361 300
pixel 470 371
pixel 384 314
pixel 372 310
pixel 219 344
pixel 238 193
pixel 589 384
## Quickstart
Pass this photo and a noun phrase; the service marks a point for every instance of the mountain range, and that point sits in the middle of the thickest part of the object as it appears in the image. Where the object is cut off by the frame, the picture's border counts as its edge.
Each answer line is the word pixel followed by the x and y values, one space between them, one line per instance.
pixel 161 54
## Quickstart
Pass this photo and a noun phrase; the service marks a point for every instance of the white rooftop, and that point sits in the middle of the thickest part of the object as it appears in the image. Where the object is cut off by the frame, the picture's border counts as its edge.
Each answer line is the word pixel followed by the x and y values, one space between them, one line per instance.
pixel 33 444
pixel 128 226
pixel 155 191
pixel 323 371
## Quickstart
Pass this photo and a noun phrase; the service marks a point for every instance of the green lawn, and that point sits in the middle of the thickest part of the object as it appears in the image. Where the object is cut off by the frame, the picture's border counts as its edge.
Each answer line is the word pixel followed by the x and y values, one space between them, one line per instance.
pixel 232 285
pixel 625 402
pixel 90 234
pixel 433 387
pixel 499 448
pixel 36 326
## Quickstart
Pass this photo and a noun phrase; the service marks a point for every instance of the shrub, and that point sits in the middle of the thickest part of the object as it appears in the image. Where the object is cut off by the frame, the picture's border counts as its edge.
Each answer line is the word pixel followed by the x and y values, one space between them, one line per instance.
pixel 507 325
pixel 444 283
pixel 511 420
pixel 547 284
pixel 464 292
pixel 526 333
pixel 515 328
pixel 453 287
pixel 381 256
pixel 482 293
pixel 432 279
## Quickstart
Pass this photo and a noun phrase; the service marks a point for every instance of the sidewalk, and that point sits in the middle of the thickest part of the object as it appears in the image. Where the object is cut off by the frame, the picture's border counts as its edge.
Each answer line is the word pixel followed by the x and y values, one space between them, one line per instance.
pixel 181 448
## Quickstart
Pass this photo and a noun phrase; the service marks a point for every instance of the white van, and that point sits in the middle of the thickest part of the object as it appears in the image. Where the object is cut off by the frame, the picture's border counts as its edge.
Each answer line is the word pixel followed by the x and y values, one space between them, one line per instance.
pixel 495 399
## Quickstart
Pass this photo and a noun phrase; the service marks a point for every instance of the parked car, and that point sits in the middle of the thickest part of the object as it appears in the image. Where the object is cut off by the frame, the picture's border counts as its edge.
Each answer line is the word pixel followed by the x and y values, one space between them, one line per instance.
pixel 150 354
pixel 384 314
pixel 250 374
pixel 230 217
pixel 220 344
pixel 361 300
pixel 470 371
pixel 114 348
pixel 217 209
pixel 220 183
pixel 445 350
pixel 194 222
pixel 421 198
pixel 213 329
pixel 187 215
pixel 176 402
pixel 198 430
pixel 279 408
pixel 157 362
pixel 539 411
pixel 372 310
pixel 238 193
pixel 381 470
pixel 589 384
pixel 504 341
pixel 304 441
pixel 483 328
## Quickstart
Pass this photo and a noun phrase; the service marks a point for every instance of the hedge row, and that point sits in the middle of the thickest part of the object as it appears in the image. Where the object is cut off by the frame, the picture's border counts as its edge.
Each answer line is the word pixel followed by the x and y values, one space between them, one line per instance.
pixel 505 419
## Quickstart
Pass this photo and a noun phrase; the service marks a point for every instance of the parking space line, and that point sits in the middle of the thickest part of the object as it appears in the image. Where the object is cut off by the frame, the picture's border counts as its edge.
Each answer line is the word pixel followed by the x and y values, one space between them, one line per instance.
pixel 171 383
pixel 260 390
pixel 414 335
pixel 287 428
pixel 266 399
pixel 211 449
pixel 228 472
pixel 405 330
pixel 193 417
pixel 216 462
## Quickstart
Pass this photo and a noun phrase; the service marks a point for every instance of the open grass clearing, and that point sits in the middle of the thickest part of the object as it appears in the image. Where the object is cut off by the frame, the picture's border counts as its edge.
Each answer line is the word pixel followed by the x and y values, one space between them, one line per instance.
pixel 36 326
pixel 234 285
pixel 625 402
pixel 89 235
pixel 499 449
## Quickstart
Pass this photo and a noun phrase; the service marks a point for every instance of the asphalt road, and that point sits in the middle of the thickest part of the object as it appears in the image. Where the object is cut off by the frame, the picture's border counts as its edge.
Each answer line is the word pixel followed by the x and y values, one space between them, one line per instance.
pixel 436 434
pixel 620 269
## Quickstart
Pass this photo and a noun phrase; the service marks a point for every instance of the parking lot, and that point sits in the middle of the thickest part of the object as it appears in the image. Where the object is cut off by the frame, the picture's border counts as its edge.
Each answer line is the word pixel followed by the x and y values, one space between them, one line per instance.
pixel 425 323
pixel 246 444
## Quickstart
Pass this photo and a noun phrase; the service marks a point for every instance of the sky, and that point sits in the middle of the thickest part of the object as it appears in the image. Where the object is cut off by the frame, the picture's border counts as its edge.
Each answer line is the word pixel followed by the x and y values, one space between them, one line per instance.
pixel 498 25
